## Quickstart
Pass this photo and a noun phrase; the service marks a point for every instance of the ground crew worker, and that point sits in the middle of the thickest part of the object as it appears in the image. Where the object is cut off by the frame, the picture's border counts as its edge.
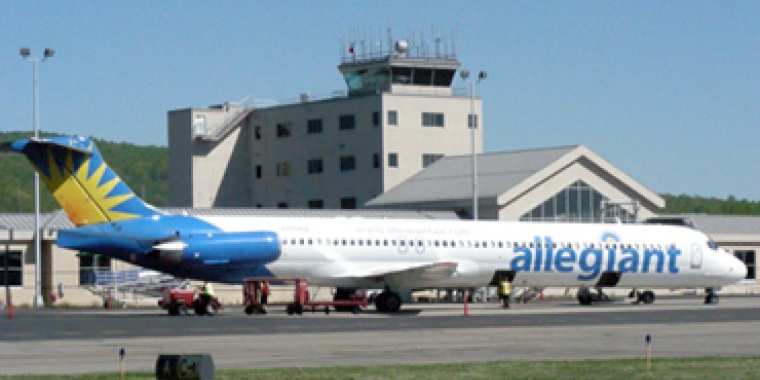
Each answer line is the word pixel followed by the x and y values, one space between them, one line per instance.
pixel 505 288
pixel 207 293
pixel 264 292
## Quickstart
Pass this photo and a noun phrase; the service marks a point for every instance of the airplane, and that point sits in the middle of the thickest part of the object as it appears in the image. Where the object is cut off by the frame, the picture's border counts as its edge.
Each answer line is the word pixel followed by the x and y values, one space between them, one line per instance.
pixel 354 253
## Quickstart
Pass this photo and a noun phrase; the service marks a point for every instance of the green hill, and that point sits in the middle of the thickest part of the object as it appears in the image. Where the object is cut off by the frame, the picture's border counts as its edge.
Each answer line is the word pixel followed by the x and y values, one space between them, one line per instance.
pixel 143 168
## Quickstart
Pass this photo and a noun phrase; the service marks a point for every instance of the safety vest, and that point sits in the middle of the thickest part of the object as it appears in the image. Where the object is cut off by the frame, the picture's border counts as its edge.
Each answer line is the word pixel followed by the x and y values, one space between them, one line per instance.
pixel 208 290
pixel 506 287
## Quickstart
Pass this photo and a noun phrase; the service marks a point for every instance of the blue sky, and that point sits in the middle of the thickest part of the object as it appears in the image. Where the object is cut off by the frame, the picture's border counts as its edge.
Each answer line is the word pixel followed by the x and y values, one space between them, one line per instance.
pixel 667 91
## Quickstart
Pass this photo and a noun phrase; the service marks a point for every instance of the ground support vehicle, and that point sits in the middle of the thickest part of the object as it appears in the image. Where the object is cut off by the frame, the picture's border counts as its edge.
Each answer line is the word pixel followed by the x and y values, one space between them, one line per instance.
pixel 181 301
pixel 301 300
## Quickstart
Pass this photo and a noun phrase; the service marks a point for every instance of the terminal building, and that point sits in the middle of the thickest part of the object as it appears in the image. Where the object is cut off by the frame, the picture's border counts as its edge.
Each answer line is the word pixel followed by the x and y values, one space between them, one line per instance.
pixel 397 143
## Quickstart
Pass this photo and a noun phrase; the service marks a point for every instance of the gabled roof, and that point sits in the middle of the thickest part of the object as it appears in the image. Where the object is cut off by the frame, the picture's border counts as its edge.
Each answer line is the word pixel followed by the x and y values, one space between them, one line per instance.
pixel 450 178
pixel 502 177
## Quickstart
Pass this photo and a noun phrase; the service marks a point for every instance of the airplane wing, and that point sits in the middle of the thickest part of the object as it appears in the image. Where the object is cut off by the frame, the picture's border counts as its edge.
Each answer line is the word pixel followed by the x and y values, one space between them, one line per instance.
pixel 427 271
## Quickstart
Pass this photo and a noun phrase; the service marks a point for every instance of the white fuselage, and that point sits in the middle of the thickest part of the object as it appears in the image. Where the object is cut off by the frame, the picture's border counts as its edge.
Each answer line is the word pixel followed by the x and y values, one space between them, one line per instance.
pixel 355 252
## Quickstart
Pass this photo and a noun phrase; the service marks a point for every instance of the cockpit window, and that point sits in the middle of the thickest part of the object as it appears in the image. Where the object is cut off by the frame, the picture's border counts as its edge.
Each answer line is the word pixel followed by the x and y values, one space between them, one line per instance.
pixel 712 245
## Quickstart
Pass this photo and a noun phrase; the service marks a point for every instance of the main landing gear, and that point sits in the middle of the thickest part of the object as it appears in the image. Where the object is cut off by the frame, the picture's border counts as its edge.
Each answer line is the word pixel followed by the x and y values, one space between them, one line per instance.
pixel 388 301
pixel 645 297
pixel 586 296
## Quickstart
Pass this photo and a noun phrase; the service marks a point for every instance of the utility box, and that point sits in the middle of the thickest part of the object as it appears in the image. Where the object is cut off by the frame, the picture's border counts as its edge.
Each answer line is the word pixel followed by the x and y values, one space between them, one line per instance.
pixel 185 367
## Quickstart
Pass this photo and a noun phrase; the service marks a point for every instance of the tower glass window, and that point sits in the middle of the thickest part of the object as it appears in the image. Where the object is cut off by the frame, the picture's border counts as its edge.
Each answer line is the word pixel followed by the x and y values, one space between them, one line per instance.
pixel 283 130
pixel 346 122
pixel 392 118
pixel 392 160
pixel 315 166
pixel 432 119
pixel 348 203
pixel 314 126
pixel 347 163
pixel 428 159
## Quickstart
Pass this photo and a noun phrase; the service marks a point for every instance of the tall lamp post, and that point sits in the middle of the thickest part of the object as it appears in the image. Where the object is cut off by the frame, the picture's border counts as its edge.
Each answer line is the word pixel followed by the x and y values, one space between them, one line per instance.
pixel 472 123
pixel 25 53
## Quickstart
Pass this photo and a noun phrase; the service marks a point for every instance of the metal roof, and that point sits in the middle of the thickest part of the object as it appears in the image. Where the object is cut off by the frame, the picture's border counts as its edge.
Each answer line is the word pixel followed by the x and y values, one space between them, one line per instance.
pixel 58 220
pixel 726 224
pixel 313 213
pixel 450 178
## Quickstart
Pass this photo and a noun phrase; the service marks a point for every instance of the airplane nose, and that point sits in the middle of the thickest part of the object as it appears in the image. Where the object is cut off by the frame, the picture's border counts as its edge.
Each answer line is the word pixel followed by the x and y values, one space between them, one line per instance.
pixel 736 269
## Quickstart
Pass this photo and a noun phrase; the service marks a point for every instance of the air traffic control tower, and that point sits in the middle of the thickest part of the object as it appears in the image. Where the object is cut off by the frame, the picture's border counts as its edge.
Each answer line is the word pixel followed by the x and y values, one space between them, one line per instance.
pixel 399 113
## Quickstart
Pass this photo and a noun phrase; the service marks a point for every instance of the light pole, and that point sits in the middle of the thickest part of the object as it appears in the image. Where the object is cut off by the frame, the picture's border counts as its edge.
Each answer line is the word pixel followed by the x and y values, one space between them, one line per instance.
pixel 25 53
pixel 472 123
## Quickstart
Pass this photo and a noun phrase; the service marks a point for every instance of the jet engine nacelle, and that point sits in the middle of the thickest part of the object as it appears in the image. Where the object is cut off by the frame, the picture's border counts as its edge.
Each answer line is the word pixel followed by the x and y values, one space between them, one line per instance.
pixel 221 248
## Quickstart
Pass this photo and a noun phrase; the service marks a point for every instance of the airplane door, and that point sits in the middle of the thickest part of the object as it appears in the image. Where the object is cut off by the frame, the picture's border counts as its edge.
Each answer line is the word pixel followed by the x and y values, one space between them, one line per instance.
pixel 696 256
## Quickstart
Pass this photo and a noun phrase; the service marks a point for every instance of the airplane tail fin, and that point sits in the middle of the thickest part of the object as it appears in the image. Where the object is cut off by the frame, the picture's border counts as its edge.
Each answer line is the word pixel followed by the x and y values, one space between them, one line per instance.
pixel 81 182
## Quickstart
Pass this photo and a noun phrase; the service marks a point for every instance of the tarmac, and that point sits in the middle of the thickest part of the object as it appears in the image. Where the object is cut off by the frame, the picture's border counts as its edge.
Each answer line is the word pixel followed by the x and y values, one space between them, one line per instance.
pixel 57 341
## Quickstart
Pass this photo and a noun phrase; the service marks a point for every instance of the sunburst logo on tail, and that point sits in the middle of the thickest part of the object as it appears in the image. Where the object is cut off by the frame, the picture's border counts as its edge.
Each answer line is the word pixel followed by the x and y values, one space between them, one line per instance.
pixel 81 191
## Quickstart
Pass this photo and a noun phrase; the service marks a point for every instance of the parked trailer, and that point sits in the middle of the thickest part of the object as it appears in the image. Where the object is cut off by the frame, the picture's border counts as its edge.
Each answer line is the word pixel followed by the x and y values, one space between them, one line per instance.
pixel 301 300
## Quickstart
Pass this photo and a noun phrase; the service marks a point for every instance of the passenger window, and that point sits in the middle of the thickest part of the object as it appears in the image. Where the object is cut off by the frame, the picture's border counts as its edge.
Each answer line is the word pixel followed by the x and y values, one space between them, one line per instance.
pixel 385 243
pixel 345 242
pixel 309 241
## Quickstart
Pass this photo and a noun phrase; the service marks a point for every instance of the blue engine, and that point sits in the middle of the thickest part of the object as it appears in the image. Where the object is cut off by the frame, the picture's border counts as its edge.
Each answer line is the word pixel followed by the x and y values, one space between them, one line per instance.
pixel 228 248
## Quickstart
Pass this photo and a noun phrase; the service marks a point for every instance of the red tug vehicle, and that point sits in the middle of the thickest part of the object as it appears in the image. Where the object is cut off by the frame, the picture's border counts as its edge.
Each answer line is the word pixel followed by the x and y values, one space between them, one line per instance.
pixel 301 300
pixel 181 301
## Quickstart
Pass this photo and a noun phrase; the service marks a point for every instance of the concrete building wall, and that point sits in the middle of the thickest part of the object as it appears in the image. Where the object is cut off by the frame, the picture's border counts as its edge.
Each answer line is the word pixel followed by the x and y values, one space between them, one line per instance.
pixel 295 151
pixel 410 140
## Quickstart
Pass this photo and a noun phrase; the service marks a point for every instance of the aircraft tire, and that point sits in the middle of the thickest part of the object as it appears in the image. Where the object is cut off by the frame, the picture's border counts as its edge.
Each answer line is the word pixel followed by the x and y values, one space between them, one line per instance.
pixel 182 310
pixel 647 297
pixel 392 302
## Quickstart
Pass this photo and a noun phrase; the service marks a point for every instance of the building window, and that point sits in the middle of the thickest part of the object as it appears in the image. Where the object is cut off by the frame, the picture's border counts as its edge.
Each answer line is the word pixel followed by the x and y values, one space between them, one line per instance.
pixel 258 171
pixel 15 273
pixel 315 166
pixel 91 264
pixel 347 163
pixel 257 132
pixel 376 160
pixel 375 119
pixel 431 119
pixel 470 118
pixel 314 126
pixel 428 159
pixel 392 160
pixel 348 203
pixel 578 203
pixel 392 118
pixel 316 204
pixel 346 122
pixel 283 169
pixel 748 257
pixel 282 204
pixel 283 130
